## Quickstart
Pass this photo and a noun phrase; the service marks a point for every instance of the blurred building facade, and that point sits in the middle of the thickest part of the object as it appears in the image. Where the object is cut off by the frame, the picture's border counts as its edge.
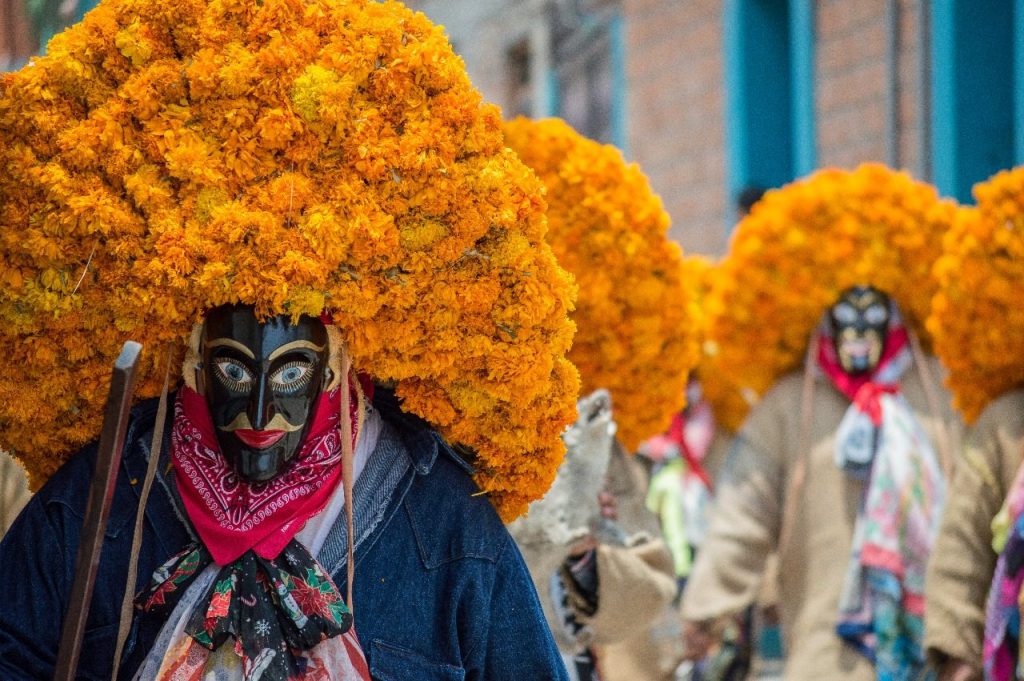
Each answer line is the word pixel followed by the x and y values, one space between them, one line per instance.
pixel 26 26
pixel 712 96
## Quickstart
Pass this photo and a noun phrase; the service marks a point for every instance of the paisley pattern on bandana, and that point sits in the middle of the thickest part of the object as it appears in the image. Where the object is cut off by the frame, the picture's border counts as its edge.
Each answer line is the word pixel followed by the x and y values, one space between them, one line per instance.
pixel 233 515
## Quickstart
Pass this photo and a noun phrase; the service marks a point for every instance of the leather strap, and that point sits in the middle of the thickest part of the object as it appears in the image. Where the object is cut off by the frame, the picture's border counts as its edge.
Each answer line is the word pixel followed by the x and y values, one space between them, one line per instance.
pixel 127 604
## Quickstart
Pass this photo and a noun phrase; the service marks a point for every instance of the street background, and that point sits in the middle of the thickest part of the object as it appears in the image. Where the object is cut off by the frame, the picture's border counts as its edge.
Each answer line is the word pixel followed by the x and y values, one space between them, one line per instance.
pixel 710 97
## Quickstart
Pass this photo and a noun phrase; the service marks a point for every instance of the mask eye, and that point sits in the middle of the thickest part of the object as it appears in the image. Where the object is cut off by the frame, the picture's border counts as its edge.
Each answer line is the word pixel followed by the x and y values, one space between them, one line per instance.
pixel 233 375
pixel 844 314
pixel 876 315
pixel 292 377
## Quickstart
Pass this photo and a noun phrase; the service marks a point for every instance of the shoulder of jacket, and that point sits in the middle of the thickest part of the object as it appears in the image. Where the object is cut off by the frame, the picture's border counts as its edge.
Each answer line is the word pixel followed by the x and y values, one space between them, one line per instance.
pixel 451 519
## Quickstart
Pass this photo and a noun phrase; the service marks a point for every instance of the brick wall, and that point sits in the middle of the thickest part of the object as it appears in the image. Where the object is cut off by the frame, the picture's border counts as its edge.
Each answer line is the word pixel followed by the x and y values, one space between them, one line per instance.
pixel 676 123
pixel 852 80
pixel 675 92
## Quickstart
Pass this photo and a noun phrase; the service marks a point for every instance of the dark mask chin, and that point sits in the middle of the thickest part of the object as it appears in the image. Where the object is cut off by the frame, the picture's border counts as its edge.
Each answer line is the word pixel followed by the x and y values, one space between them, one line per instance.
pixel 261 420
pixel 260 465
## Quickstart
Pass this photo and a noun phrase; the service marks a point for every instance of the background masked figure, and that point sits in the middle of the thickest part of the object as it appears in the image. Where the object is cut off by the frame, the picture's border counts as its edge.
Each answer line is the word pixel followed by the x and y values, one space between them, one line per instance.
pixel 592 546
pixel 973 609
pixel 597 559
pixel 975 578
pixel 684 461
pixel 822 469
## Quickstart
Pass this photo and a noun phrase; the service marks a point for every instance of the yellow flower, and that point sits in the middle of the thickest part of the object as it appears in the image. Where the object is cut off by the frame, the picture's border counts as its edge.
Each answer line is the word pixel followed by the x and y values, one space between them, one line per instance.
pixel 296 155
pixel 976 317
pixel 789 260
pixel 636 322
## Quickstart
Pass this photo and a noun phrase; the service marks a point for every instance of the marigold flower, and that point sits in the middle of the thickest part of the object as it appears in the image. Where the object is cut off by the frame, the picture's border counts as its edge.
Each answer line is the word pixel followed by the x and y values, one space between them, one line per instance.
pixel 296 155
pixel 976 317
pixel 803 245
pixel 635 315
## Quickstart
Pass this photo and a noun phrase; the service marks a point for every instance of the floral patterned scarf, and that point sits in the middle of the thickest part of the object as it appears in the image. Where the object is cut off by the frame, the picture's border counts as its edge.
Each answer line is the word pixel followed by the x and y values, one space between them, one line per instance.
pixel 1002 654
pixel 880 441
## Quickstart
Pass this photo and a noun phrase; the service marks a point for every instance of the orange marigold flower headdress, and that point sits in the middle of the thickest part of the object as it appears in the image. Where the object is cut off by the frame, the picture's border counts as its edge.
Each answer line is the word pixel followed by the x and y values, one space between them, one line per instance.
pixel 727 404
pixel 803 245
pixel 976 319
pixel 635 316
pixel 299 156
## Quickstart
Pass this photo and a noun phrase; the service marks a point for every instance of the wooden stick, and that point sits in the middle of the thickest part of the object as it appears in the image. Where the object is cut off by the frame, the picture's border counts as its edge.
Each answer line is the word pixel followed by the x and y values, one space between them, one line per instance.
pixel 101 496
pixel 348 469
pixel 128 602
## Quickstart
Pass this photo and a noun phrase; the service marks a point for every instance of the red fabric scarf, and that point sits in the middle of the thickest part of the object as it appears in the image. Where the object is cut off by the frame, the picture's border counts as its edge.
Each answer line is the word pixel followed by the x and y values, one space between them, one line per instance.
pixel 862 389
pixel 677 432
pixel 232 515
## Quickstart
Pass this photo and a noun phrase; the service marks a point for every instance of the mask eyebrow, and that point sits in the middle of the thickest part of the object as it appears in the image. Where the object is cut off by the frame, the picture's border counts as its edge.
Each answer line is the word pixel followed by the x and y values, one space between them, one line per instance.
pixel 295 345
pixel 233 344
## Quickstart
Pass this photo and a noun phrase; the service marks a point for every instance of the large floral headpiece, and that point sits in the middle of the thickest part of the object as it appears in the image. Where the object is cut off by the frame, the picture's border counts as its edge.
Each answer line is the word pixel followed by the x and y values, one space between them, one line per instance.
pixel 297 155
pixel 634 314
pixel 800 247
pixel 977 319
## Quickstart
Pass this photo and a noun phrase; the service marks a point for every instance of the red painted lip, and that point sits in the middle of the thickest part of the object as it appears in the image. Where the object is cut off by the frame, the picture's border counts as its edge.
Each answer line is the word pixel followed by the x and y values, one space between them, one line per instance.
pixel 259 439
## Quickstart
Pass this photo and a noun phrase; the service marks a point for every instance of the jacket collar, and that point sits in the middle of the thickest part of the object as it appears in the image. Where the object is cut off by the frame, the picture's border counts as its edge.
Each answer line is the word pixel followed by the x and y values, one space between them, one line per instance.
pixel 421 441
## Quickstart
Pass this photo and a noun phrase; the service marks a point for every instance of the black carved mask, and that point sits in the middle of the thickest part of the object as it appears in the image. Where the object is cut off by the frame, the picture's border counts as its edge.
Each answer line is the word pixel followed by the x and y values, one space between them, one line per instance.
pixel 262 381
pixel 860 321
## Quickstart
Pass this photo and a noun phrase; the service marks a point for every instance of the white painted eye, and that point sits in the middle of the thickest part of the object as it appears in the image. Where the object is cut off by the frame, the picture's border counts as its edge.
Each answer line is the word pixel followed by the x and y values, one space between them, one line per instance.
pixel 292 376
pixel 233 374
pixel 844 313
pixel 876 314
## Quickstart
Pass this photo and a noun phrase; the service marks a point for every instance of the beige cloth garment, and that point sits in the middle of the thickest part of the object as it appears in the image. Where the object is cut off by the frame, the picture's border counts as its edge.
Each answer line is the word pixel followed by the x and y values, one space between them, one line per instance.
pixel 961 567
pixel 14 492
pixel 746 522
pixel 717 452
pixel 636 585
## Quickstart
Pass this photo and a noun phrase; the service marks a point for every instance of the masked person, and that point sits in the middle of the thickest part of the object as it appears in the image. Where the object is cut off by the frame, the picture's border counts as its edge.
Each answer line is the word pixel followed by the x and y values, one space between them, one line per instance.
pixel 880 456
pixel 684 459
pixel 343 289
pixel 838 468
pixel 252 495
pixel 596 556
pixel 972 623
pixel 594 550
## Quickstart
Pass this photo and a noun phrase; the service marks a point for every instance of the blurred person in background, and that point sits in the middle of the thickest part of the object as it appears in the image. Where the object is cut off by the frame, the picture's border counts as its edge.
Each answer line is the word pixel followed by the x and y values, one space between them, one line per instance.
pixel 597 559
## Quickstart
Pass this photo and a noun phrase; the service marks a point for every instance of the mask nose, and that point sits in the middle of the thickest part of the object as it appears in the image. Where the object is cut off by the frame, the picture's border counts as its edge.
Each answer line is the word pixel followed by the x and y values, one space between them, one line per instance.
pixel 261 406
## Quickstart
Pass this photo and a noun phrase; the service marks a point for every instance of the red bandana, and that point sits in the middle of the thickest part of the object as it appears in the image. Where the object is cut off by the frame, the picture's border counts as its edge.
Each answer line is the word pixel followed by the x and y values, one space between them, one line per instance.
pixel 864 390
pixel 693 456
pixel 232 515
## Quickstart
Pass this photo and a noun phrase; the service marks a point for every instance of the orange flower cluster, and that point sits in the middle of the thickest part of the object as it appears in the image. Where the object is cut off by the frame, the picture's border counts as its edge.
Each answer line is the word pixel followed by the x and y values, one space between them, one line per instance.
pixel 635 316
pixel 297 155
pixel 977 320
pixel 799 249
pixel 728 405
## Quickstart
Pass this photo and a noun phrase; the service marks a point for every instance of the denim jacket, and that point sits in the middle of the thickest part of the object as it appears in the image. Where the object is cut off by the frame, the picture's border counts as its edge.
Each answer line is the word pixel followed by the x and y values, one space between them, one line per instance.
pixel 441 592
